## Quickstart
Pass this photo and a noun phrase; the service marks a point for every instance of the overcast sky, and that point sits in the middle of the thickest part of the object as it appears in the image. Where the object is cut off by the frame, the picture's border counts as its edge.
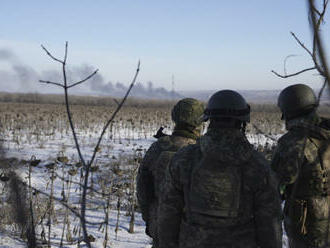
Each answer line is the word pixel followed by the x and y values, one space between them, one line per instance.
pixel 206 45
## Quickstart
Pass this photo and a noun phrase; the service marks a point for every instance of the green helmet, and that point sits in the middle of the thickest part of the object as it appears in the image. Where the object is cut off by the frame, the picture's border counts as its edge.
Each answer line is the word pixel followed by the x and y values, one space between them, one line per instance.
pixel 188 111
pixel 296 100
pixel 227 104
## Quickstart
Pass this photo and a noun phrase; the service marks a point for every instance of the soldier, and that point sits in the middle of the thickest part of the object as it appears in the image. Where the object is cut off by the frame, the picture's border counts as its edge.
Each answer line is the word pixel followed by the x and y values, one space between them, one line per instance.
pixel 187 116
pixel 302 163
pixel 219 192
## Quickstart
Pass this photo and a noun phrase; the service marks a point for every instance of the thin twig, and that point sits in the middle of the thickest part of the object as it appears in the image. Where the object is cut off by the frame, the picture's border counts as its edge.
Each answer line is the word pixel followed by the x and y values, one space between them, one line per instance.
pixel 49 82
pixel 84 80
pixel 66 53
pixel 83 199
pixel 66 205
pixel 293 74
pixel 50 55
pixel 315 34
pixel 319 42
pixel 78 183
pixel 321 91
pixel 115 100
pixel 115 113
pixel 302 44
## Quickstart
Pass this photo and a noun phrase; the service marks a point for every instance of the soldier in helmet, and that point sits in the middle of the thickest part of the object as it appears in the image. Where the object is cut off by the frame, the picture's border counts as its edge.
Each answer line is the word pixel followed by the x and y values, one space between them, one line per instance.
pixel 219 192
pixel 187 116
pixel 301 161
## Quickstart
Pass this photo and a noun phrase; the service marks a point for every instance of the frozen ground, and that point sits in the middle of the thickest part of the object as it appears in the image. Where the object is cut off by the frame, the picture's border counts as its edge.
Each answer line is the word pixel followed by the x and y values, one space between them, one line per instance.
pixel 48 148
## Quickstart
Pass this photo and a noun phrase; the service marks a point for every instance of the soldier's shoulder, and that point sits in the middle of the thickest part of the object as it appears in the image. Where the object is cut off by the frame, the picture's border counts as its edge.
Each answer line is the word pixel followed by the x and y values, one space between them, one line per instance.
pixel 156 146
pixel 164 140
pixel 290 143
pixel 184 155
pixel 183 160
pixel 186 152
pixel 181 141
pixel 169 143
pixel 152 153
pixel 292 137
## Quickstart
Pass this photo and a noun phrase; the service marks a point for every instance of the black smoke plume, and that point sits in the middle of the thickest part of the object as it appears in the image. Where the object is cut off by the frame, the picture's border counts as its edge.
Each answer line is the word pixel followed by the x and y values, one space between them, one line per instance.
pixel 20 77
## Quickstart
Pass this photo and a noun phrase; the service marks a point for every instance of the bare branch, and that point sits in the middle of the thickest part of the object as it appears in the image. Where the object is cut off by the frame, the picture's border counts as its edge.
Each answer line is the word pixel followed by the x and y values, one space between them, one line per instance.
pixel 56 199
pixel 72 127
pixel 318 40
pixel 115 112
pixel 87 166
pixel 81 185
pixel 115 100
pixel 66 52
pixel 84 80
pixel 293 74
pixel 49 82
pixel 318 23
pixel 66 205
pixel 83 198
pixel 317 11
pixel 302 44
pixel 50 55
pixel 321 91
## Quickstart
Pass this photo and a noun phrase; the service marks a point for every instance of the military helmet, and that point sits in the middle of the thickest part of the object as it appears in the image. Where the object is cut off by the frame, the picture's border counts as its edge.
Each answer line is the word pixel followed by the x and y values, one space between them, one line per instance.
pixel 227 104
pixel 188 111
pixel 296 100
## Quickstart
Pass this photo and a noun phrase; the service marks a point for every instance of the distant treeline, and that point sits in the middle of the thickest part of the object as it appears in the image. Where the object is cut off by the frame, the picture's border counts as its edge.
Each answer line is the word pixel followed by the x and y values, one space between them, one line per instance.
pixel 81 100
pixel 111 101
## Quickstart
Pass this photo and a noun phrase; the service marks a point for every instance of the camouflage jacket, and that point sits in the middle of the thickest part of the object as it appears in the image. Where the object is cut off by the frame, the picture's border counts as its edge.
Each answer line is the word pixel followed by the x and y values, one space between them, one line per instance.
pixel 151 173
pixel 302 164
pixel 220 193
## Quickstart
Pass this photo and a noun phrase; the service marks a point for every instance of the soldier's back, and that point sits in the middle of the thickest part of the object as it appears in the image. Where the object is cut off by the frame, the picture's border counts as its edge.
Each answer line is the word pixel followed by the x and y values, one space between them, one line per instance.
pixel 302 162
pixel 227 191
pixel 151 178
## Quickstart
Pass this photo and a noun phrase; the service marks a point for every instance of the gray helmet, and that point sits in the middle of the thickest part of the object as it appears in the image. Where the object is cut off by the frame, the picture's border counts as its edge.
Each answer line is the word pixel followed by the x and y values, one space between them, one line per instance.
pixel 296 100
pixel 188 111
pixel 227 104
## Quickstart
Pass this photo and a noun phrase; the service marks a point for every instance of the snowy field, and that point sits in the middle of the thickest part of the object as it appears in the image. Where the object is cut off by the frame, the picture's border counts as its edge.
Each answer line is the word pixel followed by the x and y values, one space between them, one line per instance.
pixel 122 150
pixel 111 204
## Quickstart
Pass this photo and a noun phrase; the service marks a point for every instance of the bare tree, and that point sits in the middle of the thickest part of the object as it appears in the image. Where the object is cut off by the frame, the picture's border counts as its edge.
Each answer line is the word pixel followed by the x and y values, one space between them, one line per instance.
pixel 66 86
pixel 317 52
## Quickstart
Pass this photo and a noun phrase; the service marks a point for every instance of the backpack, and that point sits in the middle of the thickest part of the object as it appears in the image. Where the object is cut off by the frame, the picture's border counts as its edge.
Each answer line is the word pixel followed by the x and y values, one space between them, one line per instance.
pixel 215 190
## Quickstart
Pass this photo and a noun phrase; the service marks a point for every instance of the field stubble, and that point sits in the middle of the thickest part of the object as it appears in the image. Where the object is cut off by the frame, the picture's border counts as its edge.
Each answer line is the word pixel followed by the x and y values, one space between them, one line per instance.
pixel 37 145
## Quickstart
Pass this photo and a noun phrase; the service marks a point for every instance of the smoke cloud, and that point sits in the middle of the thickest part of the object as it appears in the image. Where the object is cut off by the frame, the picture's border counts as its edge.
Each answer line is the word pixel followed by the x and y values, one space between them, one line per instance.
pixel 20 77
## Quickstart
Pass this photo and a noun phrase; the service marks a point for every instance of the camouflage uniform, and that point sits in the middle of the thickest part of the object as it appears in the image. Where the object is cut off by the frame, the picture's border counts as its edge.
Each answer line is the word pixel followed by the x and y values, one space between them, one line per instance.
pixel 219 193
pixel 302 164
pixel 151 174
pixel 151 177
